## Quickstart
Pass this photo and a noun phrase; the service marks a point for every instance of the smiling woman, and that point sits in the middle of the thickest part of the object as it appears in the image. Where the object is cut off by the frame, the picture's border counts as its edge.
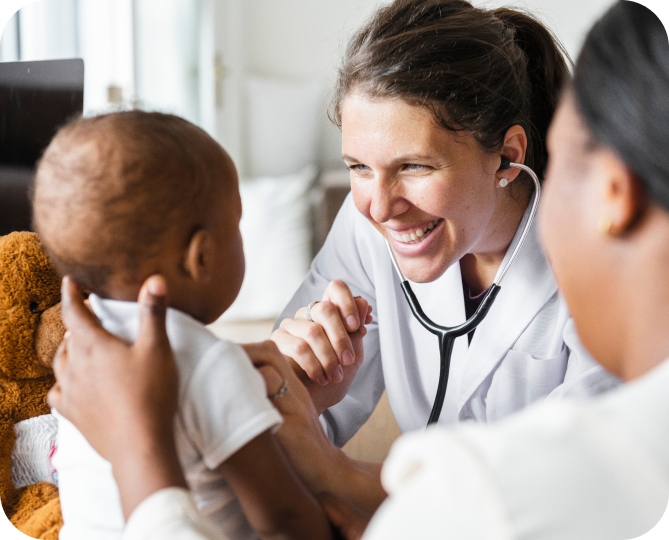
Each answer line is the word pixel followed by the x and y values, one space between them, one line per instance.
pixel 432 97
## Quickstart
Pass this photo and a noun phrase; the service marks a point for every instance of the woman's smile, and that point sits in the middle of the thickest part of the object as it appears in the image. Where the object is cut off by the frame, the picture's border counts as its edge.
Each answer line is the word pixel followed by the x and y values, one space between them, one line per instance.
pixel 415 239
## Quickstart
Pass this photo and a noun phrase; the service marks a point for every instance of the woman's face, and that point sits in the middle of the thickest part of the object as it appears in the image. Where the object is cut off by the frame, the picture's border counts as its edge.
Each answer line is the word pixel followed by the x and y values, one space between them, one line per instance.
pixel 571 206
pixel 430 192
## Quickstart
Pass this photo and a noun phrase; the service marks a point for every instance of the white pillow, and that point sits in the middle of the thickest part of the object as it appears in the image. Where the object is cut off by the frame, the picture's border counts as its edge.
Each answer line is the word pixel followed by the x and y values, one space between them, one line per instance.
pixel 283 125
pixel 276 230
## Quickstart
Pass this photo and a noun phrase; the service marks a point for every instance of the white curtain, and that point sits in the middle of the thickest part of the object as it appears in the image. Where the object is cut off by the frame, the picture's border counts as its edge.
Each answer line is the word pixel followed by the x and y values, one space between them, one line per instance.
pixel 142 52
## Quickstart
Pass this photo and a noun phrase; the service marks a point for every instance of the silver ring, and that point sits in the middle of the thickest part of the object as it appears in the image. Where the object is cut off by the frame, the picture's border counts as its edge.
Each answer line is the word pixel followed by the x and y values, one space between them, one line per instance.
pixel 307 315
pixel 282 391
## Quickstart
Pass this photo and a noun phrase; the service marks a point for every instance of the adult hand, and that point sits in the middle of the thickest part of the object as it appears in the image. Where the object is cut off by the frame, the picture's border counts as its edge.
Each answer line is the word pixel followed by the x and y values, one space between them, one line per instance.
pixel 301 435
pixel 106 386
pixel 329 349
pixel 323 467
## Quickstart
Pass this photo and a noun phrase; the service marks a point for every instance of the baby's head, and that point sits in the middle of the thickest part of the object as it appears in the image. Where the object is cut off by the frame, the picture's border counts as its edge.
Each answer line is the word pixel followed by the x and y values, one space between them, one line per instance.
pixel 123 196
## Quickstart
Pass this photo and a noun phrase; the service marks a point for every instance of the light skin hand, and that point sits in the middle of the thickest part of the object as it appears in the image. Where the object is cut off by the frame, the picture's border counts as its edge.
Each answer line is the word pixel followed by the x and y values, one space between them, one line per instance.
pixel 329 349
pixel 134 389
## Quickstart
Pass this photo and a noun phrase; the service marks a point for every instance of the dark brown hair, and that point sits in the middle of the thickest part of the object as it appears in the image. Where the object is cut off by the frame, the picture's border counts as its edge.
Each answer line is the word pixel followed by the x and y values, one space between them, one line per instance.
pixel 476 70
pixel 110 191
pixel 621 83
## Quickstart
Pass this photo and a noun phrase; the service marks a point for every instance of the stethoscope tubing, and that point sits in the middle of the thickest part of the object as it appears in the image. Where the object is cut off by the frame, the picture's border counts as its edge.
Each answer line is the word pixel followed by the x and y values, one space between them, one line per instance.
pixel 447 335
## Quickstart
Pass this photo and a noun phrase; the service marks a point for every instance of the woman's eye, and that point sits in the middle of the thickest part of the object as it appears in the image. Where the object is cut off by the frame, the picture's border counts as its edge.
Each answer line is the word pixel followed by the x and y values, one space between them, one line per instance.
pixel 359 168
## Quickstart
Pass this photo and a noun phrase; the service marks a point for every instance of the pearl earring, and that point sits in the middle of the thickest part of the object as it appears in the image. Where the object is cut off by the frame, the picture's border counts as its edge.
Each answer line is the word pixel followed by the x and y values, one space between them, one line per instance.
pixel 503 182
pixel 605 226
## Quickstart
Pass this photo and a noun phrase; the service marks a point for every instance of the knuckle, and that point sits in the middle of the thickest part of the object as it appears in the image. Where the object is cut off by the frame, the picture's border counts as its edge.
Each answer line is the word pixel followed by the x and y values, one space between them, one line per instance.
pixel 300 348
pixel 285 323
pixel 313 331
pixel 327 307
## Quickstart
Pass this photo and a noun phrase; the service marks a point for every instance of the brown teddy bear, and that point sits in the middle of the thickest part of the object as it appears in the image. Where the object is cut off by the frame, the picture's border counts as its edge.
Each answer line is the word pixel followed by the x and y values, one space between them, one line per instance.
pixel 30 332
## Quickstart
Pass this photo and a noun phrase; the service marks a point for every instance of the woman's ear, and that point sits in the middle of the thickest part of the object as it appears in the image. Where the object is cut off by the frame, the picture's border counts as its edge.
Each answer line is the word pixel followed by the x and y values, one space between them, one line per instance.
pixel 197 257
pixel 515 146
pixel 621 195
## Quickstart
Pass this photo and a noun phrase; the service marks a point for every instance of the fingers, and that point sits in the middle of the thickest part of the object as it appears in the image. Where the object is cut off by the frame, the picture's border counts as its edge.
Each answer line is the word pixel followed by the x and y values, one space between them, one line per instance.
pixel 295 347
pixel 320 346
pixel 60 358
pixel 340 295
pixel 76 316
pixel 273 379
pixel 54 397
pixel 266 353
pixel 364 310
pixel 152 313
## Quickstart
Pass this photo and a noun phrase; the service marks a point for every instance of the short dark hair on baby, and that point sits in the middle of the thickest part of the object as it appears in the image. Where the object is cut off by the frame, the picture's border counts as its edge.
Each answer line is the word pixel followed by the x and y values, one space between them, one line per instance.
pixel 111 190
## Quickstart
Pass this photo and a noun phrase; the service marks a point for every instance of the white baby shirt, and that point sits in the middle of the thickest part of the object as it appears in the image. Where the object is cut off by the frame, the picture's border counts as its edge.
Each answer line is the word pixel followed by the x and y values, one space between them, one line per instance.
pixel 222 407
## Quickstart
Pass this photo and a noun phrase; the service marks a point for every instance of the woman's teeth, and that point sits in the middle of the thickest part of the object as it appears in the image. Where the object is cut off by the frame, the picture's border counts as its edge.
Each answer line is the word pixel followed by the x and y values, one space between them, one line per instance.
pixel 416 236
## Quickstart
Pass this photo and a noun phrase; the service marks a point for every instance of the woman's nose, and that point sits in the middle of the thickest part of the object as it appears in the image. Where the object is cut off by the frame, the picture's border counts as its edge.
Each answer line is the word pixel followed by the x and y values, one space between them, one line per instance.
pixel 387 200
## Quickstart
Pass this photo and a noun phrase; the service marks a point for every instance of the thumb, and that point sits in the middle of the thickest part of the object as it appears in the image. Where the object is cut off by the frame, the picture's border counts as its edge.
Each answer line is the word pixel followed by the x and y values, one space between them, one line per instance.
pixel 152 312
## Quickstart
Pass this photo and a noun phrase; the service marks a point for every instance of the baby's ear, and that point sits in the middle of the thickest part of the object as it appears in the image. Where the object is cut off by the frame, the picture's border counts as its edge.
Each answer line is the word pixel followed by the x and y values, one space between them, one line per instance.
pixel 197 257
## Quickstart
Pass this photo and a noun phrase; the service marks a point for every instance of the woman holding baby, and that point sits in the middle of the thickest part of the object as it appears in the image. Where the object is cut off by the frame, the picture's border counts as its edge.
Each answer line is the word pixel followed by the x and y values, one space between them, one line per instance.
pixel 605 225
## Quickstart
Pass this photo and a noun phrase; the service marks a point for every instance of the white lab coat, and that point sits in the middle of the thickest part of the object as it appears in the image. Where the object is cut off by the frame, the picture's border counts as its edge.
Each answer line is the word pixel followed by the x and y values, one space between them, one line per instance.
pixel 524 350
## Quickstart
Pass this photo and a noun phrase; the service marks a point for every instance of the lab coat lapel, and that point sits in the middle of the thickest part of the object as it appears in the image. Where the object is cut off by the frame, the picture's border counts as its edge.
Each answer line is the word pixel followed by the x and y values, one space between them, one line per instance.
pixel 526 288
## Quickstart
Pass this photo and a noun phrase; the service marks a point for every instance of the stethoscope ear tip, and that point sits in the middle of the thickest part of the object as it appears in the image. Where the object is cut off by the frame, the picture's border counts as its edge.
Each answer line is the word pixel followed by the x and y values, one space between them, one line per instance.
pixel 505 164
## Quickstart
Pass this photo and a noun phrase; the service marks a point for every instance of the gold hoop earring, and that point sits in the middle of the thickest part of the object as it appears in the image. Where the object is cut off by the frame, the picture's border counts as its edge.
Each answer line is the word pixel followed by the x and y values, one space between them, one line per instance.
pixel 604 225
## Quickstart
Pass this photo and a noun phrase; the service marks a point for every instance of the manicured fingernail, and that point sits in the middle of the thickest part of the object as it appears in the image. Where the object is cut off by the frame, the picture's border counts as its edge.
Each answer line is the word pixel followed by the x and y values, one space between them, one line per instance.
pixel 347 358
pixel 323 380
pixel 67 334
pixel 352 322
pixel 338 375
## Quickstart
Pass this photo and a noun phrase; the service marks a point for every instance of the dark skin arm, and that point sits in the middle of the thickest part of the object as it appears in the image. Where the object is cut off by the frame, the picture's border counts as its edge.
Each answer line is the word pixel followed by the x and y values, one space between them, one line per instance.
pixel 325 469
pixel 274 500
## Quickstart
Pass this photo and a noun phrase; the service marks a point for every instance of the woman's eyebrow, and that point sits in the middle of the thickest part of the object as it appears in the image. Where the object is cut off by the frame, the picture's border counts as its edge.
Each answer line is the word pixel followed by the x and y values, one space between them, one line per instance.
pixel 409 158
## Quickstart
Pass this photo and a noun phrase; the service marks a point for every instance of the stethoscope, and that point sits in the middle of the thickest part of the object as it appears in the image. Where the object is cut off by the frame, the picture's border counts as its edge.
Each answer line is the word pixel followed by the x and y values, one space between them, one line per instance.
pixel 447 335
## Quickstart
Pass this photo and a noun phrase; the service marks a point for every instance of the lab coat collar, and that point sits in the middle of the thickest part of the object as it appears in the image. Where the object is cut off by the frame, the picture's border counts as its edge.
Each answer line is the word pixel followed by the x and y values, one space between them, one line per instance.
pixel 526 288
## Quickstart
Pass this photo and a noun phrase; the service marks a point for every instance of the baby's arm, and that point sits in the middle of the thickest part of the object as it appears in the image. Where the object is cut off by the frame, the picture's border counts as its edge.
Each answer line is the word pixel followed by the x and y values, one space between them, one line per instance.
pixel 274 500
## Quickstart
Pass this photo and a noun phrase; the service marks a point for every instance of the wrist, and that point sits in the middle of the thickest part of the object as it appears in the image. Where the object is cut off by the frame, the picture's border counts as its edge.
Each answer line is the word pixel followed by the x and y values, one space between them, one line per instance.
pixel 357 482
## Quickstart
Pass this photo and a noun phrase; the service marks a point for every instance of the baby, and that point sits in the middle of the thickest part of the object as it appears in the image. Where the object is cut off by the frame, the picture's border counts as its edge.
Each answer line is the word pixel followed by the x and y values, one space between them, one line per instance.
pixel 121 197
